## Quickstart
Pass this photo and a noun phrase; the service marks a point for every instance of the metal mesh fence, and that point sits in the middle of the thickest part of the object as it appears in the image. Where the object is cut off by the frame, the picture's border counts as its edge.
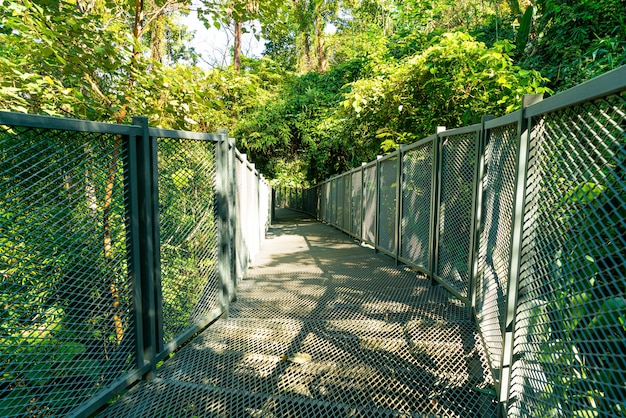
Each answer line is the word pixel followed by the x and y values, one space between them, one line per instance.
pixel 326 202
pixel 528 227
pixel 498 187
pixel 347 202
pixel 369 204
pixel 333 202
pixel 253 197
pixel 458 165
pixel 188 223
pixel 356 197
pixel 242 221
pixel 340 187
pixel 570 345
pixel 388 190
pixel 417 168
pixel 67 328
pixel 109 249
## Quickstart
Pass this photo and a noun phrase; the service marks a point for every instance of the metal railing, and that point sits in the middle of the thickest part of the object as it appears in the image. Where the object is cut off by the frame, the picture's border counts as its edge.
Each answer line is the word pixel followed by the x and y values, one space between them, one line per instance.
pixel 523 218
pixel 117 244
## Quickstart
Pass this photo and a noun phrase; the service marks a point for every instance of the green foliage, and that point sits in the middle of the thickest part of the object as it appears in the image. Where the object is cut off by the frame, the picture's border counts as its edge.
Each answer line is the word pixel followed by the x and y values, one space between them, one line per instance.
pixel 452 83
pixel 575 41
pixel 524 29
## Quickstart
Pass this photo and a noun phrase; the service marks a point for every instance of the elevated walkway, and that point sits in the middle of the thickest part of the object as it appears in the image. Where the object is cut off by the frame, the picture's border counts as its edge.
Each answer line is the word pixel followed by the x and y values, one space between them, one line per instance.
pixel 323 327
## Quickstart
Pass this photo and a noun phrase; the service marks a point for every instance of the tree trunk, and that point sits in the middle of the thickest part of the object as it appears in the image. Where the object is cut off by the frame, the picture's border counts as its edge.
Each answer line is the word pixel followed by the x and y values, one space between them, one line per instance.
pixel 322 62
pixel 237 47
pixel 157 38
pixel 307 52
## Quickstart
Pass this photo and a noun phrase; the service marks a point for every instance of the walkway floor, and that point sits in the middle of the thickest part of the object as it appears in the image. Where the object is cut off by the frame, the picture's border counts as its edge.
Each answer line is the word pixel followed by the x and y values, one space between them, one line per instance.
pixel 323 327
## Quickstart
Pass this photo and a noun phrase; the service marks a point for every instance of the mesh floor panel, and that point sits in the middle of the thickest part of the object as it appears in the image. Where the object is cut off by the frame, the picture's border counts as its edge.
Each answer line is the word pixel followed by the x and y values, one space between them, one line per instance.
pixel 323 327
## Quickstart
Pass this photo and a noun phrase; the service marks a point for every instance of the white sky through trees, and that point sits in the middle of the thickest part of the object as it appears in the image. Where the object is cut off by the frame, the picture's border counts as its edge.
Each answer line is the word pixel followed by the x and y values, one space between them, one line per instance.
pixel 215 45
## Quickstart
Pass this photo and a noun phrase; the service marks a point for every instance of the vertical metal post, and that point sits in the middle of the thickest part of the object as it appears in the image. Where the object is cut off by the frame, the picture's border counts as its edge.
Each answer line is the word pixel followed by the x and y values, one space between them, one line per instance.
pixel 232 212
pixel 398 224
pixel 223 225
pixel 133 238
pixel 435 204
pixel 377 203
pixel 351 212
pixel 519 203
pixel 362 237
pixel 148 248
pixel 477 218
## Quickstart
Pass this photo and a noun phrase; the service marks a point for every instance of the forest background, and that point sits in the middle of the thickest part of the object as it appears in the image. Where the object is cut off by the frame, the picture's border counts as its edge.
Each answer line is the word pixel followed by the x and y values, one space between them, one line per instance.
pixel 316 103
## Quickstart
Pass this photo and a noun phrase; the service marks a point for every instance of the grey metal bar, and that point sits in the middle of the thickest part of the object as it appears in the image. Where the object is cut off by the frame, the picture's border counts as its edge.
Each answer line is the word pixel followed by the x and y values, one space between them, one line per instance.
pixel 377 203
pixel 223 225
pixel 146 245
pixel 131 188
pixel 507 119
pixel 171 133
pixel 232 218
pixel 608 83
pixel 399 194
pixel 503 387
pixel 407 148
pixel 156 239
pixel 65 124
pixel 100 399
pixel 477 218
pixel 460 131
pixel 435 203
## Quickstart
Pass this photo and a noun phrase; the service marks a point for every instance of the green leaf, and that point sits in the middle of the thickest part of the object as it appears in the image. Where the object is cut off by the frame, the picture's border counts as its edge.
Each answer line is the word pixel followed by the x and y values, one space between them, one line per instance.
pixel 68 351
pixel 524 29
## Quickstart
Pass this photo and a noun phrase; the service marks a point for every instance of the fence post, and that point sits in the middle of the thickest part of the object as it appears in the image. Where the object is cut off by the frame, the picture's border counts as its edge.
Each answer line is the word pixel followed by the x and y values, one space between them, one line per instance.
pixel 232 214
pixel 399 205
pixel 377 203
pixel 223 224
pixel 362 235
pixel 477 215
pixel 434 206
pixel 523 134
pixel 147 248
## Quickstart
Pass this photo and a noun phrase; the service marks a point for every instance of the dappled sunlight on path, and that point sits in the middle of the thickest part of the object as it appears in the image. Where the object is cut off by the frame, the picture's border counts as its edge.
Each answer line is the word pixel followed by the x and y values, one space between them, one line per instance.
pixel 324 327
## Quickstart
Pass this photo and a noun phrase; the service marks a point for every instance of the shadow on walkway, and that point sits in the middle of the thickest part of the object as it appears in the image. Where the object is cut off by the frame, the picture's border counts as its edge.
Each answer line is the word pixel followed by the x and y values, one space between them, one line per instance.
pixel 323 327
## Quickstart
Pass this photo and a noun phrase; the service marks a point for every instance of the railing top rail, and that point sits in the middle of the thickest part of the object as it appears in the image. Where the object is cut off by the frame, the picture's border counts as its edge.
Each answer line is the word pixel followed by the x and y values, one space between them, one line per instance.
pixel 66 124
pixel 370 164
pixel 604 85
pixel 390 156
pixel 461 131
pixel 175 134
pixel 507 119
pixel 419 143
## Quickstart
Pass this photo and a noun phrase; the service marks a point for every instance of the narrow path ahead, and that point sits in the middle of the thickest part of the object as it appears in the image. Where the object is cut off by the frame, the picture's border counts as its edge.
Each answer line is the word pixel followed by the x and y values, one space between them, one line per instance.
pixel 323 327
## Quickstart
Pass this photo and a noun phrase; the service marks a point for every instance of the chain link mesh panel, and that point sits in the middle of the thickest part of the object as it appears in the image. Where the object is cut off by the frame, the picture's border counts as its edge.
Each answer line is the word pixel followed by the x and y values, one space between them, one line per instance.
pixel 188 221
pixel 333 202
pixel 388 189
pixel 326 201
pixel 570 344
pixel 498 188
pixel 340 202
pixel 347 201
pixel 66 331
pixel 369 204
pixel 417 168
pixel 241 206
pixel 356 198
pixel 458 165
pixel 253 205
